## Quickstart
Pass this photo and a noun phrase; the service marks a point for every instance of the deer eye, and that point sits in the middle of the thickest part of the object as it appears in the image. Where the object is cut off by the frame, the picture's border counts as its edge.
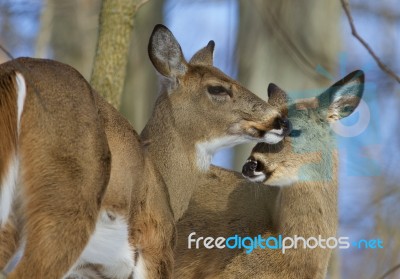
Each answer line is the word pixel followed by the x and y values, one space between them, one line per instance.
pixel 217 90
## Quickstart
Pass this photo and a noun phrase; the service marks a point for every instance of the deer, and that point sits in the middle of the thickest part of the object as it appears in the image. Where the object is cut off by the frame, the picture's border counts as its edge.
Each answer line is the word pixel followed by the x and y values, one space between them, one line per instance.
pixel 288 188
pixel 130 232
pixel 86 200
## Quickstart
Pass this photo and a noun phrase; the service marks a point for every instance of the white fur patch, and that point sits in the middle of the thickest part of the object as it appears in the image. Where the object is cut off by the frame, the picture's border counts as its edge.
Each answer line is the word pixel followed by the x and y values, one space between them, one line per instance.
pixel 108 247
pixel 7 189
pixel 140 269
pixel 206 149
pixel 260 177
pixel 273 136
pixel 21 95
pixel 283 182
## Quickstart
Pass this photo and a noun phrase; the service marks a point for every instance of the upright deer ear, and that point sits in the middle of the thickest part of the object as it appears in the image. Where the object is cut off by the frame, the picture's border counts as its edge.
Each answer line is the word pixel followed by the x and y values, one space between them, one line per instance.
pixel 276 96
pixel 342 98
pixel 204 56
pixel 165 53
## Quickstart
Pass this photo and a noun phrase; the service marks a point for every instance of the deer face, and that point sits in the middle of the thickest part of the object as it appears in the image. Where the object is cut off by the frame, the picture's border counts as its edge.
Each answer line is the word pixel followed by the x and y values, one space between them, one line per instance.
pixel 306 154
pixel 205 104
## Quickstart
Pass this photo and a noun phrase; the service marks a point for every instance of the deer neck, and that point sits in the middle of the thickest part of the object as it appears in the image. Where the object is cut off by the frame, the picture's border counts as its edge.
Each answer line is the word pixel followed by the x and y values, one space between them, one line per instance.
pixel 174 156
pixel 308 208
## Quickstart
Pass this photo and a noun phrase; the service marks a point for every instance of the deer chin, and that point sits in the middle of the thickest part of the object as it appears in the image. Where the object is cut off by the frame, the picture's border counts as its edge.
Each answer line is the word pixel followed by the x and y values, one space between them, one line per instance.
pixel 280 182
pixel 256 171
pixel 273 136
pixel 269 179
pixel 257 177
pixel 206 149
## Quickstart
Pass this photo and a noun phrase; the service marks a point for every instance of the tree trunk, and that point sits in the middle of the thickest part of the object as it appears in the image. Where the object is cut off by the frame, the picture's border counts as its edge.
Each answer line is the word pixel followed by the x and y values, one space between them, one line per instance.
pixel 141 86
pixel 115 30
pixel 73 32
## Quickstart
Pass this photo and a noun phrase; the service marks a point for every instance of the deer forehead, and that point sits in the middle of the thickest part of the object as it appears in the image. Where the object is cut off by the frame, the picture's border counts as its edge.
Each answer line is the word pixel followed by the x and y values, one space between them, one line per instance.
pixel 208 74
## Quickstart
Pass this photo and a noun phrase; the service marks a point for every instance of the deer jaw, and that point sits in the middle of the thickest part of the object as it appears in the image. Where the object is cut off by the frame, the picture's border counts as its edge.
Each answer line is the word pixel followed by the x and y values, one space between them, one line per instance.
pixel 205 150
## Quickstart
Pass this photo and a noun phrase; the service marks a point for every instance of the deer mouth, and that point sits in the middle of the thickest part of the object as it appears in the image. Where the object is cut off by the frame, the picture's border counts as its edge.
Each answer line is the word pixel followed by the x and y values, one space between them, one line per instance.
pixel 253 170
pixel 265 133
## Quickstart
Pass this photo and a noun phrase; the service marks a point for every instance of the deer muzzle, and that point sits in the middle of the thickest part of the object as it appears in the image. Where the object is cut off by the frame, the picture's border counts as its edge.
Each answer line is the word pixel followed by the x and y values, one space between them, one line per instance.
pixel 253 170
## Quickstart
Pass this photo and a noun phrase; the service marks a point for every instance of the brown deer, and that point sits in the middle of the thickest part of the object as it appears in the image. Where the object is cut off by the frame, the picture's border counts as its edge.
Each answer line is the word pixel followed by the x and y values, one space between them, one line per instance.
pixel 70 202
pixel 129 230
pixel 53 144
pixel 199 111
pixel 296 194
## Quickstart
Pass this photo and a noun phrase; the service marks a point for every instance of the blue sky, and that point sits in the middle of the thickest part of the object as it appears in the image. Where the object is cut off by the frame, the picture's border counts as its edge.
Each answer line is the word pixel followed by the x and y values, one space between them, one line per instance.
pixel 194 25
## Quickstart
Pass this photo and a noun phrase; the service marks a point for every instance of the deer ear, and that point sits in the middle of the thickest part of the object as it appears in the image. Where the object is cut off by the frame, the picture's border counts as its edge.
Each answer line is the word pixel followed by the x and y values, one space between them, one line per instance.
pixel 204 56
pixel 276 96
pixel 165 53
pixel 342 98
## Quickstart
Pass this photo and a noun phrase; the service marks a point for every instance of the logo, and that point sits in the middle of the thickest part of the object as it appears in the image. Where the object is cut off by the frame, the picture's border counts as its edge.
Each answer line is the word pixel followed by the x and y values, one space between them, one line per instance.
pixel 249 244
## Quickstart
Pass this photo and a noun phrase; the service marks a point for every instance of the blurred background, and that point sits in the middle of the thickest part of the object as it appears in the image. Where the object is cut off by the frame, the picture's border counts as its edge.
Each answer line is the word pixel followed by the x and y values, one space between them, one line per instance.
pixel 302 46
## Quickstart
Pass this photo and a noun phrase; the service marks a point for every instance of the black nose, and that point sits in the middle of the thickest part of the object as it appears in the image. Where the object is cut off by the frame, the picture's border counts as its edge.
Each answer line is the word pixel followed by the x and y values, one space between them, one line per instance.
pixel 284 124
pixel 249 168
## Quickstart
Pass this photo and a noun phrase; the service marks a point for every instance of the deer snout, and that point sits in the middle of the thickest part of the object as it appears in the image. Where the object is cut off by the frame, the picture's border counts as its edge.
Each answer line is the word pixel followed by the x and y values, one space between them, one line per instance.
pixel 253 171
pixel 249 168
pixel 282 123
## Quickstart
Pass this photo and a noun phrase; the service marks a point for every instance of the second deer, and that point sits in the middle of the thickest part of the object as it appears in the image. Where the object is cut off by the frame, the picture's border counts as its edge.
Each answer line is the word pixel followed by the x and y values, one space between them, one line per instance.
pixel 296 194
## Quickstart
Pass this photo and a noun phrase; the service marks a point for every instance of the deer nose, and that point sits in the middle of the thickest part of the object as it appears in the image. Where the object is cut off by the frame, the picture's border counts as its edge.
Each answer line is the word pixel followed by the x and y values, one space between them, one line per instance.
pixel 249 168
pixel 284 124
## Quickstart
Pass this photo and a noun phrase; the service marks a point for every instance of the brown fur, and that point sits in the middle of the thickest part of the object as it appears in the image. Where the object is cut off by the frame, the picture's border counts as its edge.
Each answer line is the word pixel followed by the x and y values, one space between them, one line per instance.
pixel 9 241
pixel 8 139
pixel 185 114
pixel 225 204
pixel 136 192
pixel 49 147
pixel 8 120
pixel 133 191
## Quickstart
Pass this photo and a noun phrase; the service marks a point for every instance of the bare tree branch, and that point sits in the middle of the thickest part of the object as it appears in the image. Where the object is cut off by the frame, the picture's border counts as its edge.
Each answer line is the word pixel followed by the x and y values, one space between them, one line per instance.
pixel 6 52
pixel 20 66
pixel 384 67
pixel 390 271
pixel 384 13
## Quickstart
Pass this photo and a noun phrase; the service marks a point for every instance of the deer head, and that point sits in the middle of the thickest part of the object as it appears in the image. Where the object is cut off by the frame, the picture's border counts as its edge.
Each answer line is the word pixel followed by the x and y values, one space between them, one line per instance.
pixel 208 109
pixel 306 153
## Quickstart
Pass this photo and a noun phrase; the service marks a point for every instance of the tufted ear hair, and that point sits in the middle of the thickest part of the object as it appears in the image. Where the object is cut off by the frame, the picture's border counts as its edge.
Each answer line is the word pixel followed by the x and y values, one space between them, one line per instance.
pixel 204 56
pixel 165 53
pixel 342 98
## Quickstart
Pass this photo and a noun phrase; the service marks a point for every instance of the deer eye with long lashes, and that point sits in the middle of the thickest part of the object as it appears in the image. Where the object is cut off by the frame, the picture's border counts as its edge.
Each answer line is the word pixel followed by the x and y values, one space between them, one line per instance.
pixel 218 90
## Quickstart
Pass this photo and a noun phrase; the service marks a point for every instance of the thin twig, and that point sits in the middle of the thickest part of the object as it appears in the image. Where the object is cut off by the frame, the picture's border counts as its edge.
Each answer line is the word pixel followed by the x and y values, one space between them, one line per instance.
pixel 27 74
pixel 384 67
pixel 390 271
pixel 6 52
